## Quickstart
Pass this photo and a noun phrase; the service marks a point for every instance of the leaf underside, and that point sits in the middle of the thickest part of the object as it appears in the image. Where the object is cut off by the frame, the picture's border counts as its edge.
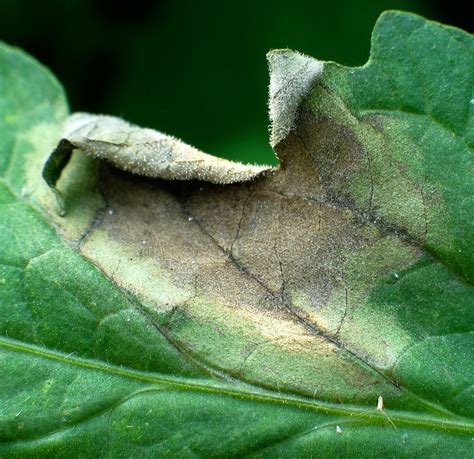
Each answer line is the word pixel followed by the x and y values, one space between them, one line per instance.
pixel 263 318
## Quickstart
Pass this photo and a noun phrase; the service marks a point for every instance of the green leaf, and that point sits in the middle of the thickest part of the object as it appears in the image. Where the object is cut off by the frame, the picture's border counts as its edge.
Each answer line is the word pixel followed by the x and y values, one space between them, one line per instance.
pixel 181 319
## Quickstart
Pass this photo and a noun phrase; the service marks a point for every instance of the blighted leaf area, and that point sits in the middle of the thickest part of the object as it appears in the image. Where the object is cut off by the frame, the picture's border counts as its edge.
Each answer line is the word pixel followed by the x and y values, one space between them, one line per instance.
pixel 141 151
pixel 324 305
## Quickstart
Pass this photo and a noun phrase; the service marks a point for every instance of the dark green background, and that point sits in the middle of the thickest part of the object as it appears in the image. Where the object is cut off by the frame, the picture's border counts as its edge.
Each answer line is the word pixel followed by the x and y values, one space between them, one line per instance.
pixel 194 69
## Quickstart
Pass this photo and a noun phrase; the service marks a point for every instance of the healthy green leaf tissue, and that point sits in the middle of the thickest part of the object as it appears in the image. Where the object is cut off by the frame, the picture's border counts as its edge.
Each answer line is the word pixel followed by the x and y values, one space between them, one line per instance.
pixel 323 308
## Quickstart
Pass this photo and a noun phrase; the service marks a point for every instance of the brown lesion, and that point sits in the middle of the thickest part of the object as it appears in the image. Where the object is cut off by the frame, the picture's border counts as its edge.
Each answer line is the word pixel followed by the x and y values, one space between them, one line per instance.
pixel 337 158
pixel 242 244
pixel 251 246
pixel 277 231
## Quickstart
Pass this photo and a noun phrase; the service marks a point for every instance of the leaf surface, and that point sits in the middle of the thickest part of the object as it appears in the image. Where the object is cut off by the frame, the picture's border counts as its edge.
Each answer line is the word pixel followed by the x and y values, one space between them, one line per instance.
pixel 264 318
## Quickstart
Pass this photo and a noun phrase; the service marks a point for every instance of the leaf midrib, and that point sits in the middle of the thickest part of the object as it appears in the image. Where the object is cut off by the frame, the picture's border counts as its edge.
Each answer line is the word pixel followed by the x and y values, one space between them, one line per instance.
pixel 244 392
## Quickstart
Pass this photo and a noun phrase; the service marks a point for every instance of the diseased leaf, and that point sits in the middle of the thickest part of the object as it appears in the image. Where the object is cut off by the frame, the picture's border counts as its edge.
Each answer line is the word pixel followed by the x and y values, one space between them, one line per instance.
pixel 324 308
pixel 141 151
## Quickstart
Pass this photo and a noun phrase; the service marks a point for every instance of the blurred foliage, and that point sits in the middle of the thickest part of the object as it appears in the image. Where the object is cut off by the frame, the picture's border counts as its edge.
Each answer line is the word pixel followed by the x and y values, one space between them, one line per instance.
pixel 196 70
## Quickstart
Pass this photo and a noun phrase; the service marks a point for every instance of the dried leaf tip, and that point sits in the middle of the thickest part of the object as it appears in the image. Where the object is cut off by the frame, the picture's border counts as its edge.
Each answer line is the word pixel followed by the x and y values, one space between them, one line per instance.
pixel 291 76
pixel 151 153
pixel 140 151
